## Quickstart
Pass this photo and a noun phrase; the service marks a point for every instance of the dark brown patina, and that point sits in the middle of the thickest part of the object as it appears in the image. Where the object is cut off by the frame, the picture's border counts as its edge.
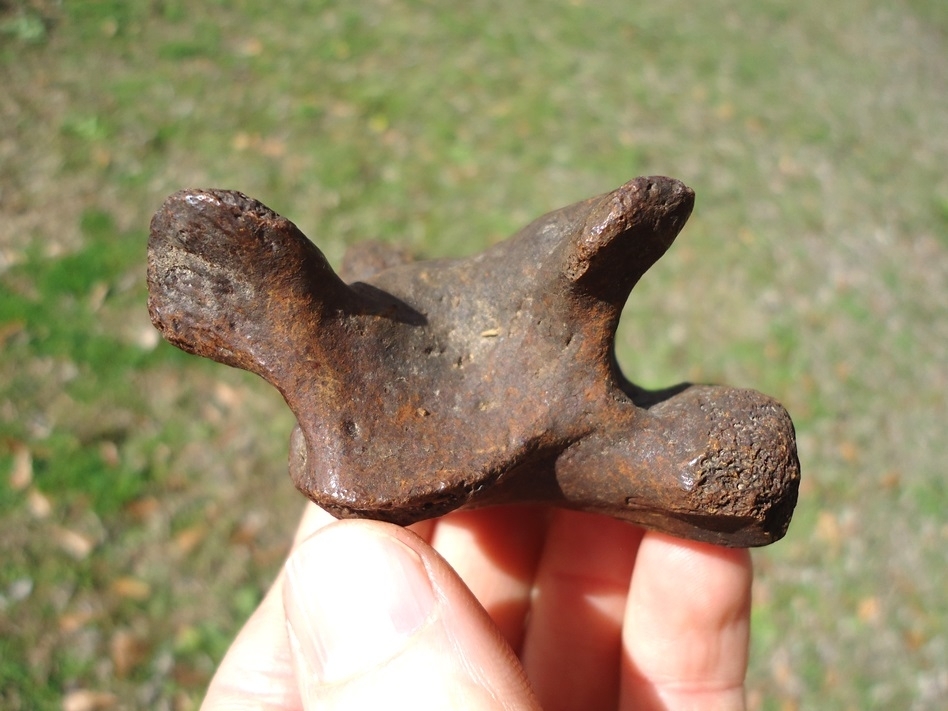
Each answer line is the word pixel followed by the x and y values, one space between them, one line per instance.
pixel 424 387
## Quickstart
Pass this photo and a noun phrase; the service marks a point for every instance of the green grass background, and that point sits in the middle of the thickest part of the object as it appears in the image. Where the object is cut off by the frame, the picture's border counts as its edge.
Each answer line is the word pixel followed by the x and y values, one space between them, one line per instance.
pixel 144 505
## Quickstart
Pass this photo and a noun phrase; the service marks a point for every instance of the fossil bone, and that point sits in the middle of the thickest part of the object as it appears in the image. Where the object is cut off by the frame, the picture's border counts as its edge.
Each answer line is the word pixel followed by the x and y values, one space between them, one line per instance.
pixel 423 387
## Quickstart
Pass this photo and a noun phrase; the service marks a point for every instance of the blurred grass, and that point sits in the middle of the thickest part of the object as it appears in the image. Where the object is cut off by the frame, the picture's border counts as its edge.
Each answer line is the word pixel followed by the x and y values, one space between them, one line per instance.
pixel 140 521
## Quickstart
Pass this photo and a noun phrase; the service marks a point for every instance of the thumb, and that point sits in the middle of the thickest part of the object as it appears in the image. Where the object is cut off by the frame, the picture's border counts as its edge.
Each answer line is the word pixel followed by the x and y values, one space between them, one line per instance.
pixel 377 619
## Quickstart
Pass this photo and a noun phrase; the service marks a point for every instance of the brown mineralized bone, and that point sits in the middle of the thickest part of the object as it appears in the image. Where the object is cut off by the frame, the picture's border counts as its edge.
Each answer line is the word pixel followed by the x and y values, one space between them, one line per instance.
pixel 424 387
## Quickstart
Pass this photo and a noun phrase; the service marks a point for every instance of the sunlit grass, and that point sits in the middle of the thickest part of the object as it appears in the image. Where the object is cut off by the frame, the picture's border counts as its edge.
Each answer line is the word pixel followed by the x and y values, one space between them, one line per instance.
pixel 812 269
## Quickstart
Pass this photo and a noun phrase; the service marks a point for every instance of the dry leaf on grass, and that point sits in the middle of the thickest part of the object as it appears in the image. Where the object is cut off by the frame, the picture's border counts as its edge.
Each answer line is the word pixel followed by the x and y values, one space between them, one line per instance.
pixel 127 651
pixel 131 588
pixel 38 503
pixel 88 700
pixel 21 475
pixel 248 528
pixel 77 545
pixel 70 622
pixel 187 539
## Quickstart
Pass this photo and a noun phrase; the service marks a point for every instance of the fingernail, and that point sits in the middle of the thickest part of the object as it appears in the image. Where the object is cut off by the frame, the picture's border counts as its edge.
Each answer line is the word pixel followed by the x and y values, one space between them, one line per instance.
pixel 353 598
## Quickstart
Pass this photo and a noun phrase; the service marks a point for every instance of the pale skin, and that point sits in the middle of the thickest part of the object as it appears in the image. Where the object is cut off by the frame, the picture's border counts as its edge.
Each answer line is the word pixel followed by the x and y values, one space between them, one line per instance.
pixel 505 608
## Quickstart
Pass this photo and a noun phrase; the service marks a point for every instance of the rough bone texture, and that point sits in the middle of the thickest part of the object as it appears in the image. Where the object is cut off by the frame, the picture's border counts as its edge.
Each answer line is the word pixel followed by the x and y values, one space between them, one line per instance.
pixel 424 387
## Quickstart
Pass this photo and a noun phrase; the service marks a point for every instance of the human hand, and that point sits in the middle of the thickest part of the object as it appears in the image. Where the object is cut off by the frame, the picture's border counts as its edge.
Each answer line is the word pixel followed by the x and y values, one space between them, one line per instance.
pixel 502 608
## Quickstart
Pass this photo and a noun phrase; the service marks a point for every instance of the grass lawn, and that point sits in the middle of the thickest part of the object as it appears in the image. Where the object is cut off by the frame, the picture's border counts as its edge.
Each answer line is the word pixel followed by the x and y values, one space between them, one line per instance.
pixel 144 502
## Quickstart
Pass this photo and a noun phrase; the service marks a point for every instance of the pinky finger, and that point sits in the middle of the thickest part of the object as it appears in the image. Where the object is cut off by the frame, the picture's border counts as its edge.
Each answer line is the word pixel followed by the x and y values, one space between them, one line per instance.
pixel 686 627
